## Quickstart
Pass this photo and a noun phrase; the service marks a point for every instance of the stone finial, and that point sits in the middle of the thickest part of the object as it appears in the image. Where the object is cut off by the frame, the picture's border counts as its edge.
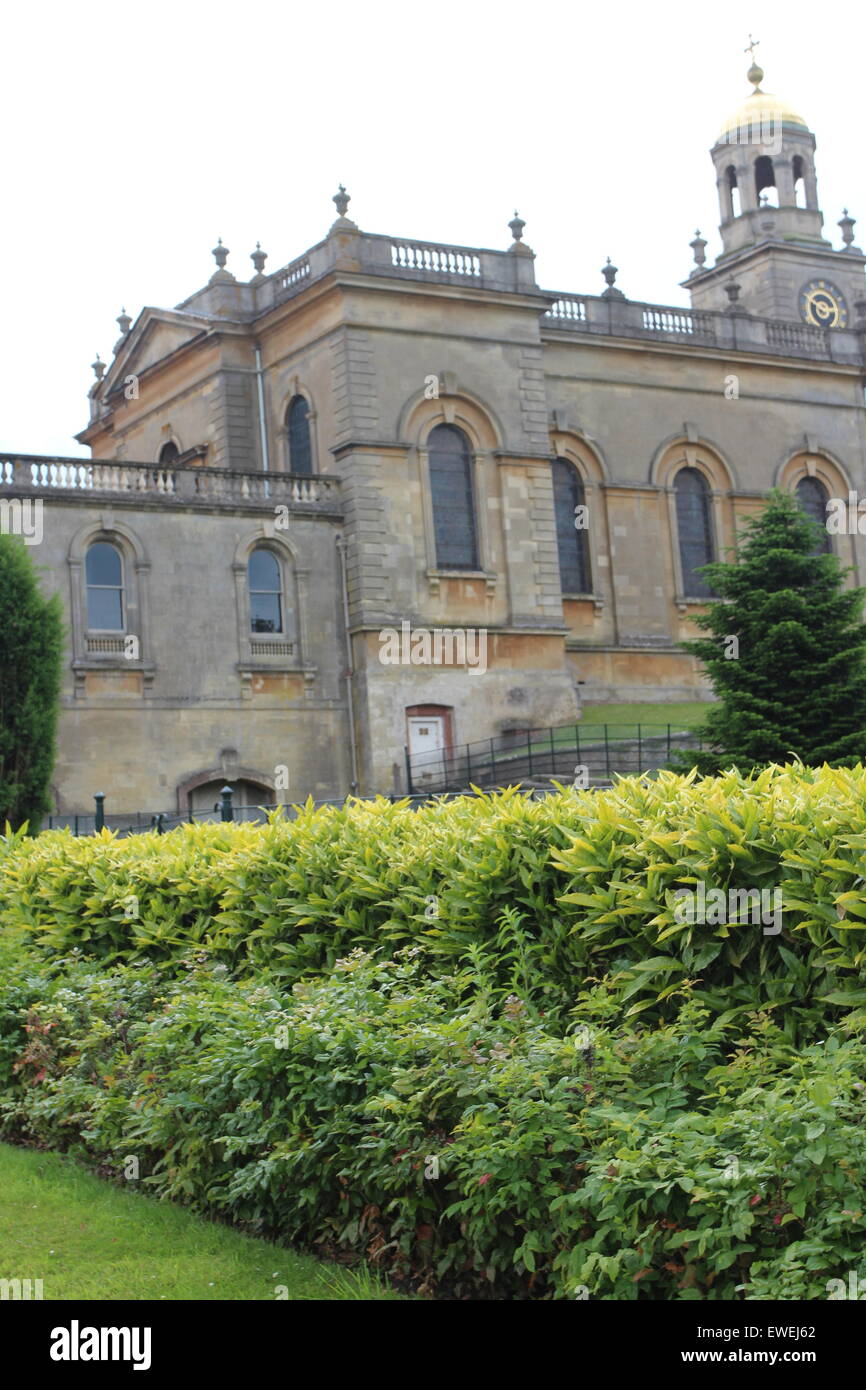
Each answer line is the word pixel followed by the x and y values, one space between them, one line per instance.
pixel 220 254
pixel 98 368
pixel 847 225
pixel 699 248
pixel 343 223
pixel 732 290
pixel 610 272
pixel 258 258
pixel 124 321
pixel 518 246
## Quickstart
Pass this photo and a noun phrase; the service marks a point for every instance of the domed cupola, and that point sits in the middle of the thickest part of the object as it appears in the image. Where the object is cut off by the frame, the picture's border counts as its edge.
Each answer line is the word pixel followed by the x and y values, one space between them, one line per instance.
pixel 765 157
pixel 761 111
pixel 772 243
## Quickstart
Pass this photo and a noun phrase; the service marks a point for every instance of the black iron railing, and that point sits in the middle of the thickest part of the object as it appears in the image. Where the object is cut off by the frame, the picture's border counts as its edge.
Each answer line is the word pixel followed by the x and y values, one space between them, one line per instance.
pixel 601 750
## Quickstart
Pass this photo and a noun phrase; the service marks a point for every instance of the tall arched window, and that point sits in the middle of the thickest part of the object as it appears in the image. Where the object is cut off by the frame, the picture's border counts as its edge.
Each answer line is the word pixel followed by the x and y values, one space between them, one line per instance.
pixel 812 497
pixel 450 461
pixel 103 569
pixel 298 433
pixel 733 191
pixel 169 452
pixel 266 591
pixel 694 527
pixel 572 536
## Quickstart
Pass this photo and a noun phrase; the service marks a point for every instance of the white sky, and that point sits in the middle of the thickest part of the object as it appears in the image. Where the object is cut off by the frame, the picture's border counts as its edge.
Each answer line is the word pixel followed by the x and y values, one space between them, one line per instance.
pixel 133 136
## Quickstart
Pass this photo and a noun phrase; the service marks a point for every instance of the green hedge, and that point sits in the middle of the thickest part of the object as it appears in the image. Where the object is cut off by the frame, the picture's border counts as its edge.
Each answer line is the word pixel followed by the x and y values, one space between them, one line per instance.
pixel 462 1147
pixel 294 1025
pixel 545 891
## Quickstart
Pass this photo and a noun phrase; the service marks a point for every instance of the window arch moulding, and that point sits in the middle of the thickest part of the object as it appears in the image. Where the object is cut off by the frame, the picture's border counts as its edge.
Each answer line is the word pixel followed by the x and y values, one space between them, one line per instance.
pixel 284 652
pixel 121 649
pixel 297 389
pixel 421 419
pixel 818 463
pixel 669 460
pixel 585 456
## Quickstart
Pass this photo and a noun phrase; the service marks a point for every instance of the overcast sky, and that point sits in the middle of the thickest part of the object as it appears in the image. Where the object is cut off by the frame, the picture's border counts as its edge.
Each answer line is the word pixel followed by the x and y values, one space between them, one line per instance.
pixel 133 136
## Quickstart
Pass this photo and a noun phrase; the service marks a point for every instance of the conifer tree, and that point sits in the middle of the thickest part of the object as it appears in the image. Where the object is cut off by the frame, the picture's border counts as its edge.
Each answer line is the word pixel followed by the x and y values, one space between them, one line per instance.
pixel 31 647
pixel 794 680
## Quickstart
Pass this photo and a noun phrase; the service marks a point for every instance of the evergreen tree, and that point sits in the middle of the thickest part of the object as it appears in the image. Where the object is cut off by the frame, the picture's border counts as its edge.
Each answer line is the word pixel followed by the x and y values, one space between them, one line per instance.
pixel 794 682
pixel 31 647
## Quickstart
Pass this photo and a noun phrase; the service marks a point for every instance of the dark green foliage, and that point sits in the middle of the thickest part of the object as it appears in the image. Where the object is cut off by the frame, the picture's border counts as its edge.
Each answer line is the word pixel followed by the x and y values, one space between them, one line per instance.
pixel 463 1147
pixel 548 1086
pixel 798 684
pixel 31 647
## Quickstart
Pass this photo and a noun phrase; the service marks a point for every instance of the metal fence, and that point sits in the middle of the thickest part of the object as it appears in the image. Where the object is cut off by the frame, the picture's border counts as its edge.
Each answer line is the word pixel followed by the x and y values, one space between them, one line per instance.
pixel 141 822
pixel 525 757
pixel 526 754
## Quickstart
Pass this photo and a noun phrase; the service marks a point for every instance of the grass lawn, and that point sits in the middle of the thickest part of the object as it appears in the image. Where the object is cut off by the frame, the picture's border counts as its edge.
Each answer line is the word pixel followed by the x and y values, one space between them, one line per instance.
pixel 87 1239
pixel 682 715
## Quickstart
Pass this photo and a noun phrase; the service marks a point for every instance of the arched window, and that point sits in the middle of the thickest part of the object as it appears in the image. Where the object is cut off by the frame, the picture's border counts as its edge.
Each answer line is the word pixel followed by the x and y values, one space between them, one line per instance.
pixel 571 533
pixel 298 432
pixel 266 591
pixel 694 527
pixel 765 180
pixel 733 191
pixel 798 172
pixel 812 497
pixel 169 452
pixel 104 574
pixel 450 459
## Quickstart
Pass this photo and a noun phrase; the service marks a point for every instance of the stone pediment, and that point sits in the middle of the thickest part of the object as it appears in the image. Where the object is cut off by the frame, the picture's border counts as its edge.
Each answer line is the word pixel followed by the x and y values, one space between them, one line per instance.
pixel 156 335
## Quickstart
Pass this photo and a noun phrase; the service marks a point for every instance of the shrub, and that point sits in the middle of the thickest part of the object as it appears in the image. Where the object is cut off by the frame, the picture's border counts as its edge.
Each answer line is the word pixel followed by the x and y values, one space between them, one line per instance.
pixel 31 648
pixel 797 684
pixel 540 894
pixel 686 1160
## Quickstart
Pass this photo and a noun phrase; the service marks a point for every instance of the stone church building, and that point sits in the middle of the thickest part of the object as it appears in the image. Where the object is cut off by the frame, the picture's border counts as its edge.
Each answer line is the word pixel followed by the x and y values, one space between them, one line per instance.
pixel 388 431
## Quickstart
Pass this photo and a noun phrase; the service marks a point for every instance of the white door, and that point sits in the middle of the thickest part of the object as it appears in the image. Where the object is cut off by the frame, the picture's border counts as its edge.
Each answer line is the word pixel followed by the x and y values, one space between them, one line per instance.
pixel 426 740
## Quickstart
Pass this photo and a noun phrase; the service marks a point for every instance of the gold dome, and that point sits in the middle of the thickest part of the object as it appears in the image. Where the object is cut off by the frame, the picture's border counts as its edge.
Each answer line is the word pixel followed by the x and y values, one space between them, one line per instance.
pixel 761 109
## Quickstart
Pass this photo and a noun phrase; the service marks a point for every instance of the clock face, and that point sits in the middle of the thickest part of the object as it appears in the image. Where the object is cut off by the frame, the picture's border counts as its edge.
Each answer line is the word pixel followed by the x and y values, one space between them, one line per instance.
pixel 823 304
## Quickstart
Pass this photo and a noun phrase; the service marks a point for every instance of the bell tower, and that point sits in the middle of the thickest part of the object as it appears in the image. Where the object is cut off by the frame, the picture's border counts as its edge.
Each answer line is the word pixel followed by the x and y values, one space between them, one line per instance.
pixel 771 223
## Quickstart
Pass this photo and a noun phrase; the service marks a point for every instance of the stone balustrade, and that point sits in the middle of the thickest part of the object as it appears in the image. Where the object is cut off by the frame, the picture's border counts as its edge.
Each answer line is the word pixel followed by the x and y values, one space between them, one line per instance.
pixel 290 279
pixel 728 332
pixel 506 271
pixel 568 308
pixel 31 473
pixel 400 258
pixel 447 260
